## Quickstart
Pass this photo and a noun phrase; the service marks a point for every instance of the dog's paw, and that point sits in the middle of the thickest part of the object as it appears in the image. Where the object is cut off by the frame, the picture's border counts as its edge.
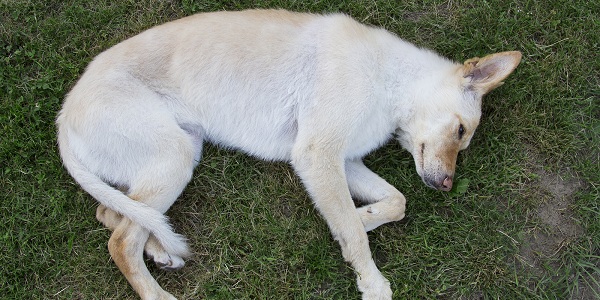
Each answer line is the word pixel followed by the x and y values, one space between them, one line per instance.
pixel 376 289
pixel 162 259
pixel 109 218
pixel 169 263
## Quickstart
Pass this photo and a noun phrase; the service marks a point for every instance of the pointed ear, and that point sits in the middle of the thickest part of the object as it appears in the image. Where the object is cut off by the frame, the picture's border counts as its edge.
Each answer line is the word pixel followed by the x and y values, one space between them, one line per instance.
pixel 486 74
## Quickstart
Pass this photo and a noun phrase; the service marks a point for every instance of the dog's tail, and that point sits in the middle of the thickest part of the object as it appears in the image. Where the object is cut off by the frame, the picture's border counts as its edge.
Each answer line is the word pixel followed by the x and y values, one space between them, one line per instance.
pixel 138 212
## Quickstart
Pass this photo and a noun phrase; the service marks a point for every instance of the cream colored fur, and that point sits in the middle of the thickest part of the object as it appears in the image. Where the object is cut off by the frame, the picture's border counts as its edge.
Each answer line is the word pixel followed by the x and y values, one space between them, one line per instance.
pixel 319 92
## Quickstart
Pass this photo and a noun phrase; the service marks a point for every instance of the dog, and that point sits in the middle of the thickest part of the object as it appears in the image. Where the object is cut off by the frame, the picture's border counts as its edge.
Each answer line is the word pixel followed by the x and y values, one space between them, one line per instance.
pixel 317 91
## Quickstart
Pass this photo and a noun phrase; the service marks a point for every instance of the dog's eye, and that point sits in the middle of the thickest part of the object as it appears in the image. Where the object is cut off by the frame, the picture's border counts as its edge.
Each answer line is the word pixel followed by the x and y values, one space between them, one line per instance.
pixel 461 131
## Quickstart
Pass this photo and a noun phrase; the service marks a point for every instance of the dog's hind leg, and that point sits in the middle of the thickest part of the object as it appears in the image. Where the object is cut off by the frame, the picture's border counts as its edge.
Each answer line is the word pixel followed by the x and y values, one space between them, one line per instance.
pixel 125 246
pixel 158 188
pixel 153 249
pixel 187 155
pixel 384 202
pixel 158 183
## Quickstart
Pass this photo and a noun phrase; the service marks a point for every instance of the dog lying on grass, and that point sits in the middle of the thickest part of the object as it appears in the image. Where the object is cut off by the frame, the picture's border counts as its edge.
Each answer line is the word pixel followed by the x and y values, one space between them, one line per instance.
pixel 317 91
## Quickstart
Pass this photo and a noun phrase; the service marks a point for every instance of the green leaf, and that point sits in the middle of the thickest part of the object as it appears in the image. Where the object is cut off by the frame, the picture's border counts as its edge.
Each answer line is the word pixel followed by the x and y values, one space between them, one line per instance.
pixel 460 187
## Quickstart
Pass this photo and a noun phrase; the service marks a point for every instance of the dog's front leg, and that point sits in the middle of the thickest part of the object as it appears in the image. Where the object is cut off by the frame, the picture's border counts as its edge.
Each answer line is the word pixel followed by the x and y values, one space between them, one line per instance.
pixel 322 172
pixel 384 202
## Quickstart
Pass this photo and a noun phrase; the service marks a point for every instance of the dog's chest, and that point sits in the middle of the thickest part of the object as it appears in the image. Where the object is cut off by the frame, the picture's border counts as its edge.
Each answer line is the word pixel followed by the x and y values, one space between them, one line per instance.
pixel 373 133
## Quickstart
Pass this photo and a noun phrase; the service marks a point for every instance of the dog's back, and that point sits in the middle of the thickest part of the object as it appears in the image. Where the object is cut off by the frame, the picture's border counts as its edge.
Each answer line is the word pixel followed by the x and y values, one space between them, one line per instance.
pixel 257 69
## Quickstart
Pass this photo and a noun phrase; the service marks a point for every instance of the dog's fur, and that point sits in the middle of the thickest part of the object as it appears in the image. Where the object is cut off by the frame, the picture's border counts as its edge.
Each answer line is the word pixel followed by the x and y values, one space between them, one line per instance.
pixel 320 92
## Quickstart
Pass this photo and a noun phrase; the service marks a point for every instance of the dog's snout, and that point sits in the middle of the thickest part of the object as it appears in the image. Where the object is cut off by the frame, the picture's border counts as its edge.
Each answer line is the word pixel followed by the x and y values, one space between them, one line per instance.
pixel 442 183
pixel 446 184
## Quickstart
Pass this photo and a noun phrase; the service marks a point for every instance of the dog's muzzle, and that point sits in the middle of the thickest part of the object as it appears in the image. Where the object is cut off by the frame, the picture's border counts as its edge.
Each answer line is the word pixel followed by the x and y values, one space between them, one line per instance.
pixel 443 183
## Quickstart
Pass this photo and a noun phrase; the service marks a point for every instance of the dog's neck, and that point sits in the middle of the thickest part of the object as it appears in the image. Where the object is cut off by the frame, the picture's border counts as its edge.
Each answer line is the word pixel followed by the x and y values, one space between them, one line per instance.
pixel 406 70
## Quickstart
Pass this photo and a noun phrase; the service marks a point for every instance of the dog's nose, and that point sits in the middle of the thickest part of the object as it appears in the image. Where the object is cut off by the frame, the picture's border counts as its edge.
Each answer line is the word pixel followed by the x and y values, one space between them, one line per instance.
pixel 446 184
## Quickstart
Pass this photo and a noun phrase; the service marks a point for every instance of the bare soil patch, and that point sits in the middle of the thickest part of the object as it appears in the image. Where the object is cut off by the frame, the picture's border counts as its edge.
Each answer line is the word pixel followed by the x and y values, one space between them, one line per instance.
pixel 556 225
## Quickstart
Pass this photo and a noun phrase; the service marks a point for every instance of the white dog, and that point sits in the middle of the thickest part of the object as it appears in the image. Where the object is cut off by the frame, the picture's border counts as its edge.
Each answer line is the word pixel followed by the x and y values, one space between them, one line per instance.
pixel 320 92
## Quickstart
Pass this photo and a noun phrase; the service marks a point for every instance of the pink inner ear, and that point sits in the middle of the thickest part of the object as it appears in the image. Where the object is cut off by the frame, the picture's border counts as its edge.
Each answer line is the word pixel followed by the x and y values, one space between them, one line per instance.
pixel 485 71
pixel 493 68
pixel 477 74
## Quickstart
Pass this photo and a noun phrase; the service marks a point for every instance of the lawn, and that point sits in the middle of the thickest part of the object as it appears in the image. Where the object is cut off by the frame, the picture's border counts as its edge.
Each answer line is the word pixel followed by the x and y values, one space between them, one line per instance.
pixel 524 225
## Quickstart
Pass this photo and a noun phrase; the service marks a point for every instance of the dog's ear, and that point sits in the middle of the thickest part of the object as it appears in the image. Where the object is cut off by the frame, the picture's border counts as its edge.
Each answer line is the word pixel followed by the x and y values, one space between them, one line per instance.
pixel 486 74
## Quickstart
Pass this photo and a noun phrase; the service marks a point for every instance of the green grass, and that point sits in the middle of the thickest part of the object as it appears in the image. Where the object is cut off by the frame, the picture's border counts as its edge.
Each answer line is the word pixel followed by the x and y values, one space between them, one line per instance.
pixel 252 227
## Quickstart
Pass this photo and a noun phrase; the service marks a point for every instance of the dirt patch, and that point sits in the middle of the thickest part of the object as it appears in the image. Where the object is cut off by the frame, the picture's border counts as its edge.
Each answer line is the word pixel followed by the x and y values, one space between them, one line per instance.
pixel 557 225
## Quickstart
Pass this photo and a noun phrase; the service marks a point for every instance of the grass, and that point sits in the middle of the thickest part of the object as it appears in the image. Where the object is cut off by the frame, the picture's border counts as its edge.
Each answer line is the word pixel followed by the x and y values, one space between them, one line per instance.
pixel 250 223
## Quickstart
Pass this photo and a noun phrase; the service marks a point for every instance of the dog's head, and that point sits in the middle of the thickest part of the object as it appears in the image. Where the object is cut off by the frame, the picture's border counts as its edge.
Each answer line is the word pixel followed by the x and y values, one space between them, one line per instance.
pixel 447 108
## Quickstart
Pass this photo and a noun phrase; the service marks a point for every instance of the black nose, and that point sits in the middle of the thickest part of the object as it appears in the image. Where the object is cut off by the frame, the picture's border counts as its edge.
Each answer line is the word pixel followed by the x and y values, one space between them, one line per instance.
pixel 446 185
pixel 442 183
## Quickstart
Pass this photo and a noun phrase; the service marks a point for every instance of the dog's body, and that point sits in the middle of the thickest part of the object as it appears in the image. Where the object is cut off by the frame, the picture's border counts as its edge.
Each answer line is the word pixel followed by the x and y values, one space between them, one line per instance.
pixel 320 92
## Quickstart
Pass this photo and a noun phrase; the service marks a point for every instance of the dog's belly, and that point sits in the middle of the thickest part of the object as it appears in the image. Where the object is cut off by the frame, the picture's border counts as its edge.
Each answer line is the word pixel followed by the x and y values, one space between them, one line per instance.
pixel 264 128
pixel 272 142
